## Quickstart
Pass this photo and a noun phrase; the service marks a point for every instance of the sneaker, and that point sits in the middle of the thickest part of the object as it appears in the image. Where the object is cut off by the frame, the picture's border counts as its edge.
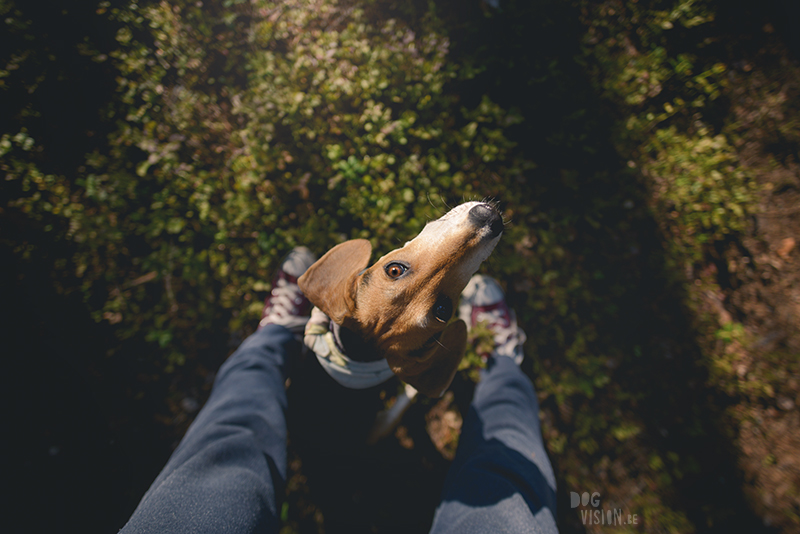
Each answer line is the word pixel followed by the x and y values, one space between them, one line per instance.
pixel 286 305
pixel 483 300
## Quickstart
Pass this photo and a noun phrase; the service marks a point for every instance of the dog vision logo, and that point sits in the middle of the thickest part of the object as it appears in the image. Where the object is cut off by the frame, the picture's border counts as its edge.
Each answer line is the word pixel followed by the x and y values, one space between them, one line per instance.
pixel 593 514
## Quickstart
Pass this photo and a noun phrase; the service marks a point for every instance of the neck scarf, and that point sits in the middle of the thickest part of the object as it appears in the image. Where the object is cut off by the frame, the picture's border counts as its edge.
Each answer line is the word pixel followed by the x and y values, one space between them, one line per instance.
pixel 321 339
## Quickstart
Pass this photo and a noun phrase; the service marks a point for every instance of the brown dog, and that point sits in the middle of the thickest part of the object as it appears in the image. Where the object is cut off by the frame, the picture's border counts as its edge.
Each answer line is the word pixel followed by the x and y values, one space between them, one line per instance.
pixel 401 307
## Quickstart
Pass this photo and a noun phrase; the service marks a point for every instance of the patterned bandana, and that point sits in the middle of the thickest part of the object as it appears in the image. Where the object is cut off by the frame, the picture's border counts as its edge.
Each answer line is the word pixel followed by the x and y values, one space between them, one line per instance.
pixel 320 338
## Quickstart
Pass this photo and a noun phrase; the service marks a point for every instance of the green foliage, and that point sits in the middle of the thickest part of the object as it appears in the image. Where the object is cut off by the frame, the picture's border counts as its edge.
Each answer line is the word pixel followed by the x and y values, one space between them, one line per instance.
pixel 480 342
pixel 244 130
pixel 701 186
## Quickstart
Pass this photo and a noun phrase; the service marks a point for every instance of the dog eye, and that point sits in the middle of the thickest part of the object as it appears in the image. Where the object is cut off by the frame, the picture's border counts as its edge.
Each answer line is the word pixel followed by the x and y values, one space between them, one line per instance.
pixel 443 309
pixel 396 270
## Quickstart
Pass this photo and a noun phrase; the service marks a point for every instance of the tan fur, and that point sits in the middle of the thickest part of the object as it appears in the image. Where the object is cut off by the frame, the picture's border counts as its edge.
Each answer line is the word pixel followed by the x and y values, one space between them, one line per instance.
pixel 396 316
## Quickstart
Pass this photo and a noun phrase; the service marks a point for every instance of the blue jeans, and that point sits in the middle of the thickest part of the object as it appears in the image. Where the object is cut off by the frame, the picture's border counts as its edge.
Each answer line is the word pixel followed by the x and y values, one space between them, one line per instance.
pixel 229 469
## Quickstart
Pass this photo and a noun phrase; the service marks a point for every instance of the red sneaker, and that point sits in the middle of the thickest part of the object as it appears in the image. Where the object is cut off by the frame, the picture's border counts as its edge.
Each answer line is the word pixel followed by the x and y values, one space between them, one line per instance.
pixel 483 300
pixel 286 305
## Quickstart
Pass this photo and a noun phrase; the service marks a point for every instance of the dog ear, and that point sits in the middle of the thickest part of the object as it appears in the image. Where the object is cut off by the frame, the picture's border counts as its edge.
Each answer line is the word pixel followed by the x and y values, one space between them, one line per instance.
pixel 330 284
pixel 440 368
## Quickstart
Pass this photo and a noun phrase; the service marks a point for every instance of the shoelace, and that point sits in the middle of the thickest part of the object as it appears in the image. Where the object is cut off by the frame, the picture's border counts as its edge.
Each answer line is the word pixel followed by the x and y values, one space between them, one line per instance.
pixel 283 302
pixel 507 335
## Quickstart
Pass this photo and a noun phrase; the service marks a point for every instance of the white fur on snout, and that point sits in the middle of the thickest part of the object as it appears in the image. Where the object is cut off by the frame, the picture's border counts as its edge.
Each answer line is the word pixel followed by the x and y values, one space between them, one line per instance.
pixel 453 219
pixel 451 226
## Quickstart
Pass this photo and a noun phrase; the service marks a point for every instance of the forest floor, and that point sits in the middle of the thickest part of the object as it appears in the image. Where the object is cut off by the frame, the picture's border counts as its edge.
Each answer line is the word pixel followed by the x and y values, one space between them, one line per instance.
pixel 760 282
pixel 94 431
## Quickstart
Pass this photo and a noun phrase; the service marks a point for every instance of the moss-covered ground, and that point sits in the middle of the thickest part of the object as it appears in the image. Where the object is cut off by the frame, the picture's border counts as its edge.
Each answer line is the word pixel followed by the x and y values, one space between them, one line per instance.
pixel 159 158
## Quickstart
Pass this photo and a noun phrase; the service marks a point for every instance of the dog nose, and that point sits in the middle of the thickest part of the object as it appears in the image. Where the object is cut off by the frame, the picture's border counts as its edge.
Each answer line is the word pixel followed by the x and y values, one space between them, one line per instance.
pixel 486 215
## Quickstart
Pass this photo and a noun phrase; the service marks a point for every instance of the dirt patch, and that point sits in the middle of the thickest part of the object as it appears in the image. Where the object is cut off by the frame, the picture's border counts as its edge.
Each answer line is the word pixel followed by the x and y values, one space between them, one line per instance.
pixel 443 423
pixel 761 290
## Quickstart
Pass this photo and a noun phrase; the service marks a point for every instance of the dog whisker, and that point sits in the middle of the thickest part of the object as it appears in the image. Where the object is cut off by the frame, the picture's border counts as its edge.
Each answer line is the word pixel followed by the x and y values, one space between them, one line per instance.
pixel 439 210
pixel 446 205
pixel 428 195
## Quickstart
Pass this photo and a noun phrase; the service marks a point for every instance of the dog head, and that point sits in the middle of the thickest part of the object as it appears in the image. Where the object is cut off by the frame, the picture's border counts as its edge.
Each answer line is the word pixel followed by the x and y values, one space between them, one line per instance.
pixel 401 307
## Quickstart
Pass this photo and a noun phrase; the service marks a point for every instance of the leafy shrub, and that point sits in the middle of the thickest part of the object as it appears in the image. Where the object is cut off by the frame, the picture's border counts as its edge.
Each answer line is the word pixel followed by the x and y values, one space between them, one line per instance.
pixel 669 103
pixel 244 130
pixel 701 186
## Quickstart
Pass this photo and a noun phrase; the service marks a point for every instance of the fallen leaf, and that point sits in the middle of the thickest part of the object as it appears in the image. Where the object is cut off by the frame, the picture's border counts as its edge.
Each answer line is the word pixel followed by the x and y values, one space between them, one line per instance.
pixel 786 247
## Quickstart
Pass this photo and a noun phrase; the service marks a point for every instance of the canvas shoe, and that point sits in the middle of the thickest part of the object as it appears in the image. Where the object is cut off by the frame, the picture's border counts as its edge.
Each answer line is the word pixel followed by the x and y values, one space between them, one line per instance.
pixel 483 300
pixel 286 305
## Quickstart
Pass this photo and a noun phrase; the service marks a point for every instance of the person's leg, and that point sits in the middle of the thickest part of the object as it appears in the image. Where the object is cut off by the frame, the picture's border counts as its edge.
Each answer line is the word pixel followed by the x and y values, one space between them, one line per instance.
pixel 501 479
pixel 227 472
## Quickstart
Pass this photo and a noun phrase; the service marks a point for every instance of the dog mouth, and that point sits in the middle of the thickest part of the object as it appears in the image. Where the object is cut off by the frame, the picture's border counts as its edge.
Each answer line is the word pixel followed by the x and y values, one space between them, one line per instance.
pixel 427 347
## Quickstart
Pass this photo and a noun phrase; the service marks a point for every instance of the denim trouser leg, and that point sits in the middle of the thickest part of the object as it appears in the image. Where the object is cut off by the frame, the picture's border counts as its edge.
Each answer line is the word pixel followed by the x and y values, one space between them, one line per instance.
pixel 225 474
pixel 501 479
